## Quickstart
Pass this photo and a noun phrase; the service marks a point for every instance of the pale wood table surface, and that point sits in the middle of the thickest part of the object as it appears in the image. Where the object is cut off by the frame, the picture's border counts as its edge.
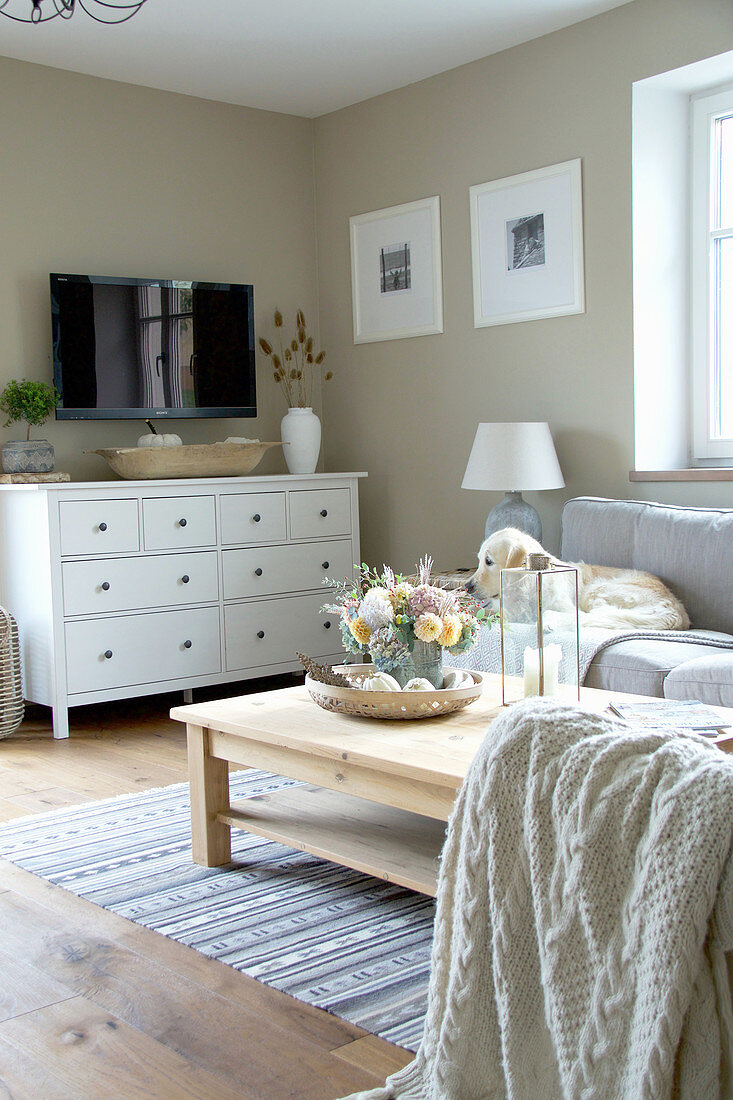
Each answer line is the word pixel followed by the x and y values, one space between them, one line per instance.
pixel 377 793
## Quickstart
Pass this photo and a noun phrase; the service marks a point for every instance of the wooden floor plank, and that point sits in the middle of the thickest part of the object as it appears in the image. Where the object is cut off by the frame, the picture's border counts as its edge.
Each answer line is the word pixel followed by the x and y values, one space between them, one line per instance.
pixel 270 1004
pixel 10 809
pixel 96 1055
pixel 181 992
pixel 23 1077
pixel 24 988
pixel 52 798
pixel 168 1006
pixel 374 1055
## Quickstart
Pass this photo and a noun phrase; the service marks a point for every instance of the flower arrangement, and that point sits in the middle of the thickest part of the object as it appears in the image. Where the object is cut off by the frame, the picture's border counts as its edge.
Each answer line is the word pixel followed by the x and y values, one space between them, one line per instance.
pixel 294 365
pixel 387 614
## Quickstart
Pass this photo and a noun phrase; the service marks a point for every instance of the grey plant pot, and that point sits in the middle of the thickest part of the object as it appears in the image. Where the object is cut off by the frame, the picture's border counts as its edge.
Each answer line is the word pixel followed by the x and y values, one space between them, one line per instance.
pixel 28 456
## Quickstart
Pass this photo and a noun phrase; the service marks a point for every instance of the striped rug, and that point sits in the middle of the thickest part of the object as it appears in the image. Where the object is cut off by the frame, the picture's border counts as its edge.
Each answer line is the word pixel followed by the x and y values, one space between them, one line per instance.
pixel 334 938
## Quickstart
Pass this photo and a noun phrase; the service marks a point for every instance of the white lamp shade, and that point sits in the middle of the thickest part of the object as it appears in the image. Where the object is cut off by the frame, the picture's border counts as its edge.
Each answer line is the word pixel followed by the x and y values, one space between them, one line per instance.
pixel 507 457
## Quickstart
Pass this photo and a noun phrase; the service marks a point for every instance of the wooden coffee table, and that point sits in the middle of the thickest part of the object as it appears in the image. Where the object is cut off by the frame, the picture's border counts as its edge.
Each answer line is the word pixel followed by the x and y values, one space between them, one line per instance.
pixel 376 793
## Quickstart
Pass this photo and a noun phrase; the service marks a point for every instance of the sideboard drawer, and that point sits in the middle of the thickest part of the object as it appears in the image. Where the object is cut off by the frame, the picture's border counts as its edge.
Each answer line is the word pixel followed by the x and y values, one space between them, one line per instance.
pixel 107 653
pixel 126 584
pixel 98 527
pixel 267 570
pixel 269 632
pixel 170 523
pixel 252 517
pixel 317 513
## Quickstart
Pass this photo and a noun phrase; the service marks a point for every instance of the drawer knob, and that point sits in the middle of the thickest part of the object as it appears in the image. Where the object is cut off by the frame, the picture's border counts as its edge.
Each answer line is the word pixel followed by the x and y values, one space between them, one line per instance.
pixel 185 578
pixel 182 522
pixel 108 654
pixel 187 644
pixel 105 586
pixel 103 527
pixel 325 564
pixel 260 633
pixel 324 512
pixel 256 517
pixel 258 572
pixel 327 624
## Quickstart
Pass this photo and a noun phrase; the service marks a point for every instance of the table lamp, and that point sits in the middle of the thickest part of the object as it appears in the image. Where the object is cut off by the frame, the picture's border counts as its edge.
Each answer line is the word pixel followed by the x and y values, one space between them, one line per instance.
pixel 511 458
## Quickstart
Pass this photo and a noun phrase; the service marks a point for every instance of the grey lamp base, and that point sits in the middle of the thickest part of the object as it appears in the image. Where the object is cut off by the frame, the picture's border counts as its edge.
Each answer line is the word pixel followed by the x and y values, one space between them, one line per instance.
pixel 513 511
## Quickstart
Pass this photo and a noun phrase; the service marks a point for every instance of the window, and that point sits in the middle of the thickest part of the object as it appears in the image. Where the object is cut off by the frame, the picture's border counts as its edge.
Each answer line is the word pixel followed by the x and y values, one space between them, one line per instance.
pixel 712 275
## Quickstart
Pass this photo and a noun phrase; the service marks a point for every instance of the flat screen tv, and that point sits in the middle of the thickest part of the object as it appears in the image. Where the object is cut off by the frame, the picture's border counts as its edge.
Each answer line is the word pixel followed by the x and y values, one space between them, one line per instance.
pixel 146 348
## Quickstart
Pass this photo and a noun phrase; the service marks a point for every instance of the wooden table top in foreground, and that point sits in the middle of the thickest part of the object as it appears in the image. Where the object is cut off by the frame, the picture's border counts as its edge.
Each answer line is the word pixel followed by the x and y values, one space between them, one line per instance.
pixel 374 794
pixel 434 750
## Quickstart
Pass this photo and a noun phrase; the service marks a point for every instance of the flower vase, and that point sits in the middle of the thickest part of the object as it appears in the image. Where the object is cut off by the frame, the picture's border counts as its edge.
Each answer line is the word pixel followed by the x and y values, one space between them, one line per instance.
pixel 426 660
pixel 300 431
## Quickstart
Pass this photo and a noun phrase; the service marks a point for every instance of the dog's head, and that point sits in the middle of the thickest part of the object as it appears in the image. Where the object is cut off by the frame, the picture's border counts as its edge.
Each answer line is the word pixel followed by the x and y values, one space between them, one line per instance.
pixel 506 549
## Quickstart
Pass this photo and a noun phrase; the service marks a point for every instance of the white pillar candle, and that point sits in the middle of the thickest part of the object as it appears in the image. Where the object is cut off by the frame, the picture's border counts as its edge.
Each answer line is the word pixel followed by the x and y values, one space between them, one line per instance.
pixel 552 655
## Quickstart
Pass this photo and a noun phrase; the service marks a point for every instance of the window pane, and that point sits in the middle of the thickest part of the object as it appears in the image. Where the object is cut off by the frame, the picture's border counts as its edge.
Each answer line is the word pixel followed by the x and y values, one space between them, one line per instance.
pixel 725 177
pixel 149 301
pixel 722 373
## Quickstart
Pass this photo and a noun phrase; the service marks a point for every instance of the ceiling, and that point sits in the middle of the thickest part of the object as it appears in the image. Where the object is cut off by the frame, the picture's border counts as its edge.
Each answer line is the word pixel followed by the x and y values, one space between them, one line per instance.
pixel 303 57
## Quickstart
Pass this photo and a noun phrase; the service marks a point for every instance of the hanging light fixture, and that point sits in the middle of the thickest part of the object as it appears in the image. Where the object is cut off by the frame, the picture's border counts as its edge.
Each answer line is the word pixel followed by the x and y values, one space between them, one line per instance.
pixel 40 11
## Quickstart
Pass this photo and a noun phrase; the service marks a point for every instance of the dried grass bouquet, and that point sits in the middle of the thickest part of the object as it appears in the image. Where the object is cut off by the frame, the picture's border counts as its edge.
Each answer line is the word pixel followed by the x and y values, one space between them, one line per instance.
pixel 294 365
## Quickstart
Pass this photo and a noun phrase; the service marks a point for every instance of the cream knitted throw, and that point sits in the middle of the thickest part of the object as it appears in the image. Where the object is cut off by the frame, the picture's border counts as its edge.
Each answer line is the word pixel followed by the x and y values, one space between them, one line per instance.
pixel 585 904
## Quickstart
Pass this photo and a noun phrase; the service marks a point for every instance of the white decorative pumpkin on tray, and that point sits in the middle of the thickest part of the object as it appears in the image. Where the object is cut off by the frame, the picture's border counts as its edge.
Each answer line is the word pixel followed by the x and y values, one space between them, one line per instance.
pixel 160 439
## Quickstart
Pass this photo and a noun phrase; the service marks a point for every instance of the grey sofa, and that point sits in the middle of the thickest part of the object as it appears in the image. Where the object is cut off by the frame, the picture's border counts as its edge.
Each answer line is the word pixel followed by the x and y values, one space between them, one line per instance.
pixel 691 549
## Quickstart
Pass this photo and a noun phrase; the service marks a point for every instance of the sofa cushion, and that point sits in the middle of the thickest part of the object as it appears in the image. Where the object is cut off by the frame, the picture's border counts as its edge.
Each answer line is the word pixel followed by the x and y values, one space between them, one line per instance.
pixel 642 666
pixel 708 678
pixel 691 549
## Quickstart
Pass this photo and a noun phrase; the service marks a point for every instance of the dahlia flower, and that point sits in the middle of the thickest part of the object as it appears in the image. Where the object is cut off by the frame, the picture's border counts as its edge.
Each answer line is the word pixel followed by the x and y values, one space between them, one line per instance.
pixel 428 627
pixel 360 630
pixel 452 630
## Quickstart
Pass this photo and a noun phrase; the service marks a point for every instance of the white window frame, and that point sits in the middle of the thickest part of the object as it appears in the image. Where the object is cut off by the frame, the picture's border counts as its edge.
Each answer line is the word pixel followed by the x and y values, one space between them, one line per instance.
pixel 705 111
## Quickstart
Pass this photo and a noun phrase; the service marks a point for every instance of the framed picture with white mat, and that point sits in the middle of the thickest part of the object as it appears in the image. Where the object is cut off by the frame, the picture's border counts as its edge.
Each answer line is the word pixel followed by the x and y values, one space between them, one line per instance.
pixel 527 246
pixel 396 272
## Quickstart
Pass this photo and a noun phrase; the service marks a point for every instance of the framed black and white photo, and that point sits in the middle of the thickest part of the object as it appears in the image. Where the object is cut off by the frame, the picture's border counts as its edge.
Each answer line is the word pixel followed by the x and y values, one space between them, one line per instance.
pixel 396 272
pixel 527 246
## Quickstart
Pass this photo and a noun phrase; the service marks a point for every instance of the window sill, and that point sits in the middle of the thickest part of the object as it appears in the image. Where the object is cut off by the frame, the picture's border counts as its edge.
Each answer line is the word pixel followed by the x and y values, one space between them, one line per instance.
pixel 694 473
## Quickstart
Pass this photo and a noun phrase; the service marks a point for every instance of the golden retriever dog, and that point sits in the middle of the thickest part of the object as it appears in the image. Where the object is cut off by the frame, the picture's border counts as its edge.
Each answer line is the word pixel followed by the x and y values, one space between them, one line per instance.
pixel 607 597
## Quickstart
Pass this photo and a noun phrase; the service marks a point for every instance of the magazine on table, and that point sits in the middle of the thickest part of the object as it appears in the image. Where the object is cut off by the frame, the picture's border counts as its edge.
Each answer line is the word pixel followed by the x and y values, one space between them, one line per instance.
pixel 683 714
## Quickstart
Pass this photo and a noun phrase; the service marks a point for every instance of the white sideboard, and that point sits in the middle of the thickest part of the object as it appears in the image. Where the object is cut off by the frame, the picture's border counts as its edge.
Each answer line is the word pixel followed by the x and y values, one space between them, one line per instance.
pixel 128 588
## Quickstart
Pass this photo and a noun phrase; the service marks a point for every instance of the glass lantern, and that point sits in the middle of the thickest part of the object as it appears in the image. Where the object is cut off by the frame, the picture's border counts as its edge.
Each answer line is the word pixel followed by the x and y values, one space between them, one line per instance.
pixel 539 631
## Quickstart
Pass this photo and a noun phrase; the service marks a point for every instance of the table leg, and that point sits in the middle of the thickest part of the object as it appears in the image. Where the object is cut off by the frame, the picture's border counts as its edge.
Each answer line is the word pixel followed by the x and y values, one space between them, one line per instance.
pixel 209 781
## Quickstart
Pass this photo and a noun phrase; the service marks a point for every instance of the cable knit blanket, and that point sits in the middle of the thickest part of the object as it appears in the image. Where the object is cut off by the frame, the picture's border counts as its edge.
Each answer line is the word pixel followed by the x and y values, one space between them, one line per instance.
pixel 585 905
pixel 486 654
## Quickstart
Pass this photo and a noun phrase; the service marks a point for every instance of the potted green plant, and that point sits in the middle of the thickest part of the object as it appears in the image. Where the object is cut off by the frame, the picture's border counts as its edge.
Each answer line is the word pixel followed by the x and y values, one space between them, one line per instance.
pixel 33 403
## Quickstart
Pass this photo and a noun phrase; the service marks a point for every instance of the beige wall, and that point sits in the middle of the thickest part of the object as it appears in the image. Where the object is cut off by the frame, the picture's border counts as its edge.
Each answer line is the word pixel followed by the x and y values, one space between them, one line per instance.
pixel 110 178
pixel 406 410
pixel 107 178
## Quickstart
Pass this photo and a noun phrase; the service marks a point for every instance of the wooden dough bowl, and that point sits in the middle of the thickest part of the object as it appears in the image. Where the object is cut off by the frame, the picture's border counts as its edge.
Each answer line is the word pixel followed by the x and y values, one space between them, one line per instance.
pixel 189 460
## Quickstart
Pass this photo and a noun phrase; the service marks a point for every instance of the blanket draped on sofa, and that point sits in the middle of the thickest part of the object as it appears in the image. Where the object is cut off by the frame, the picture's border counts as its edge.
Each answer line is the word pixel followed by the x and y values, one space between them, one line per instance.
pixel 486 654
pixel 585 905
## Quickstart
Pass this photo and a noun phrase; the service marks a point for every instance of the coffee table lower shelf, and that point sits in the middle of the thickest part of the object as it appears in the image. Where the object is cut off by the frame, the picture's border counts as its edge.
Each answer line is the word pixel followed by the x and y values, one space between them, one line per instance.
pixel 391 844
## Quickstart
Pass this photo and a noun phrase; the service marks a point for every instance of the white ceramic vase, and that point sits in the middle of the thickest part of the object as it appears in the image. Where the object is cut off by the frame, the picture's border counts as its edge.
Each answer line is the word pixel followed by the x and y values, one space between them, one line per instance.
pixel 300 431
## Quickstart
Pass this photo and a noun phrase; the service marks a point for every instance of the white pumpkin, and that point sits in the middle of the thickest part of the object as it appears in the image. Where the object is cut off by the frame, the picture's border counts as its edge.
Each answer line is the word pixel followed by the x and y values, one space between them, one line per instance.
pixel 380 681
pixel 418 683
pixel 457 678
pixel 160 440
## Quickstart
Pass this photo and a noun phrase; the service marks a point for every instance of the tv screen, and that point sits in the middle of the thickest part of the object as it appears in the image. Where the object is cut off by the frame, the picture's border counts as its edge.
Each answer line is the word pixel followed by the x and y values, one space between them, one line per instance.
pixel 144 348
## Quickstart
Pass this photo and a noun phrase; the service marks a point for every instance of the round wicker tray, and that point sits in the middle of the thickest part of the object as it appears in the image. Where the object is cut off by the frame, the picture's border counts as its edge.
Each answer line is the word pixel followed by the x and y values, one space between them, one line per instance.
pixel 390 704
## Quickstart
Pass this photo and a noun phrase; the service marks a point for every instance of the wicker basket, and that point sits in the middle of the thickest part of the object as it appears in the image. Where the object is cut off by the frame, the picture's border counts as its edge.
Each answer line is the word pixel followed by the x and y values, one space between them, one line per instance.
pixel 11 689
pixel 390 704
